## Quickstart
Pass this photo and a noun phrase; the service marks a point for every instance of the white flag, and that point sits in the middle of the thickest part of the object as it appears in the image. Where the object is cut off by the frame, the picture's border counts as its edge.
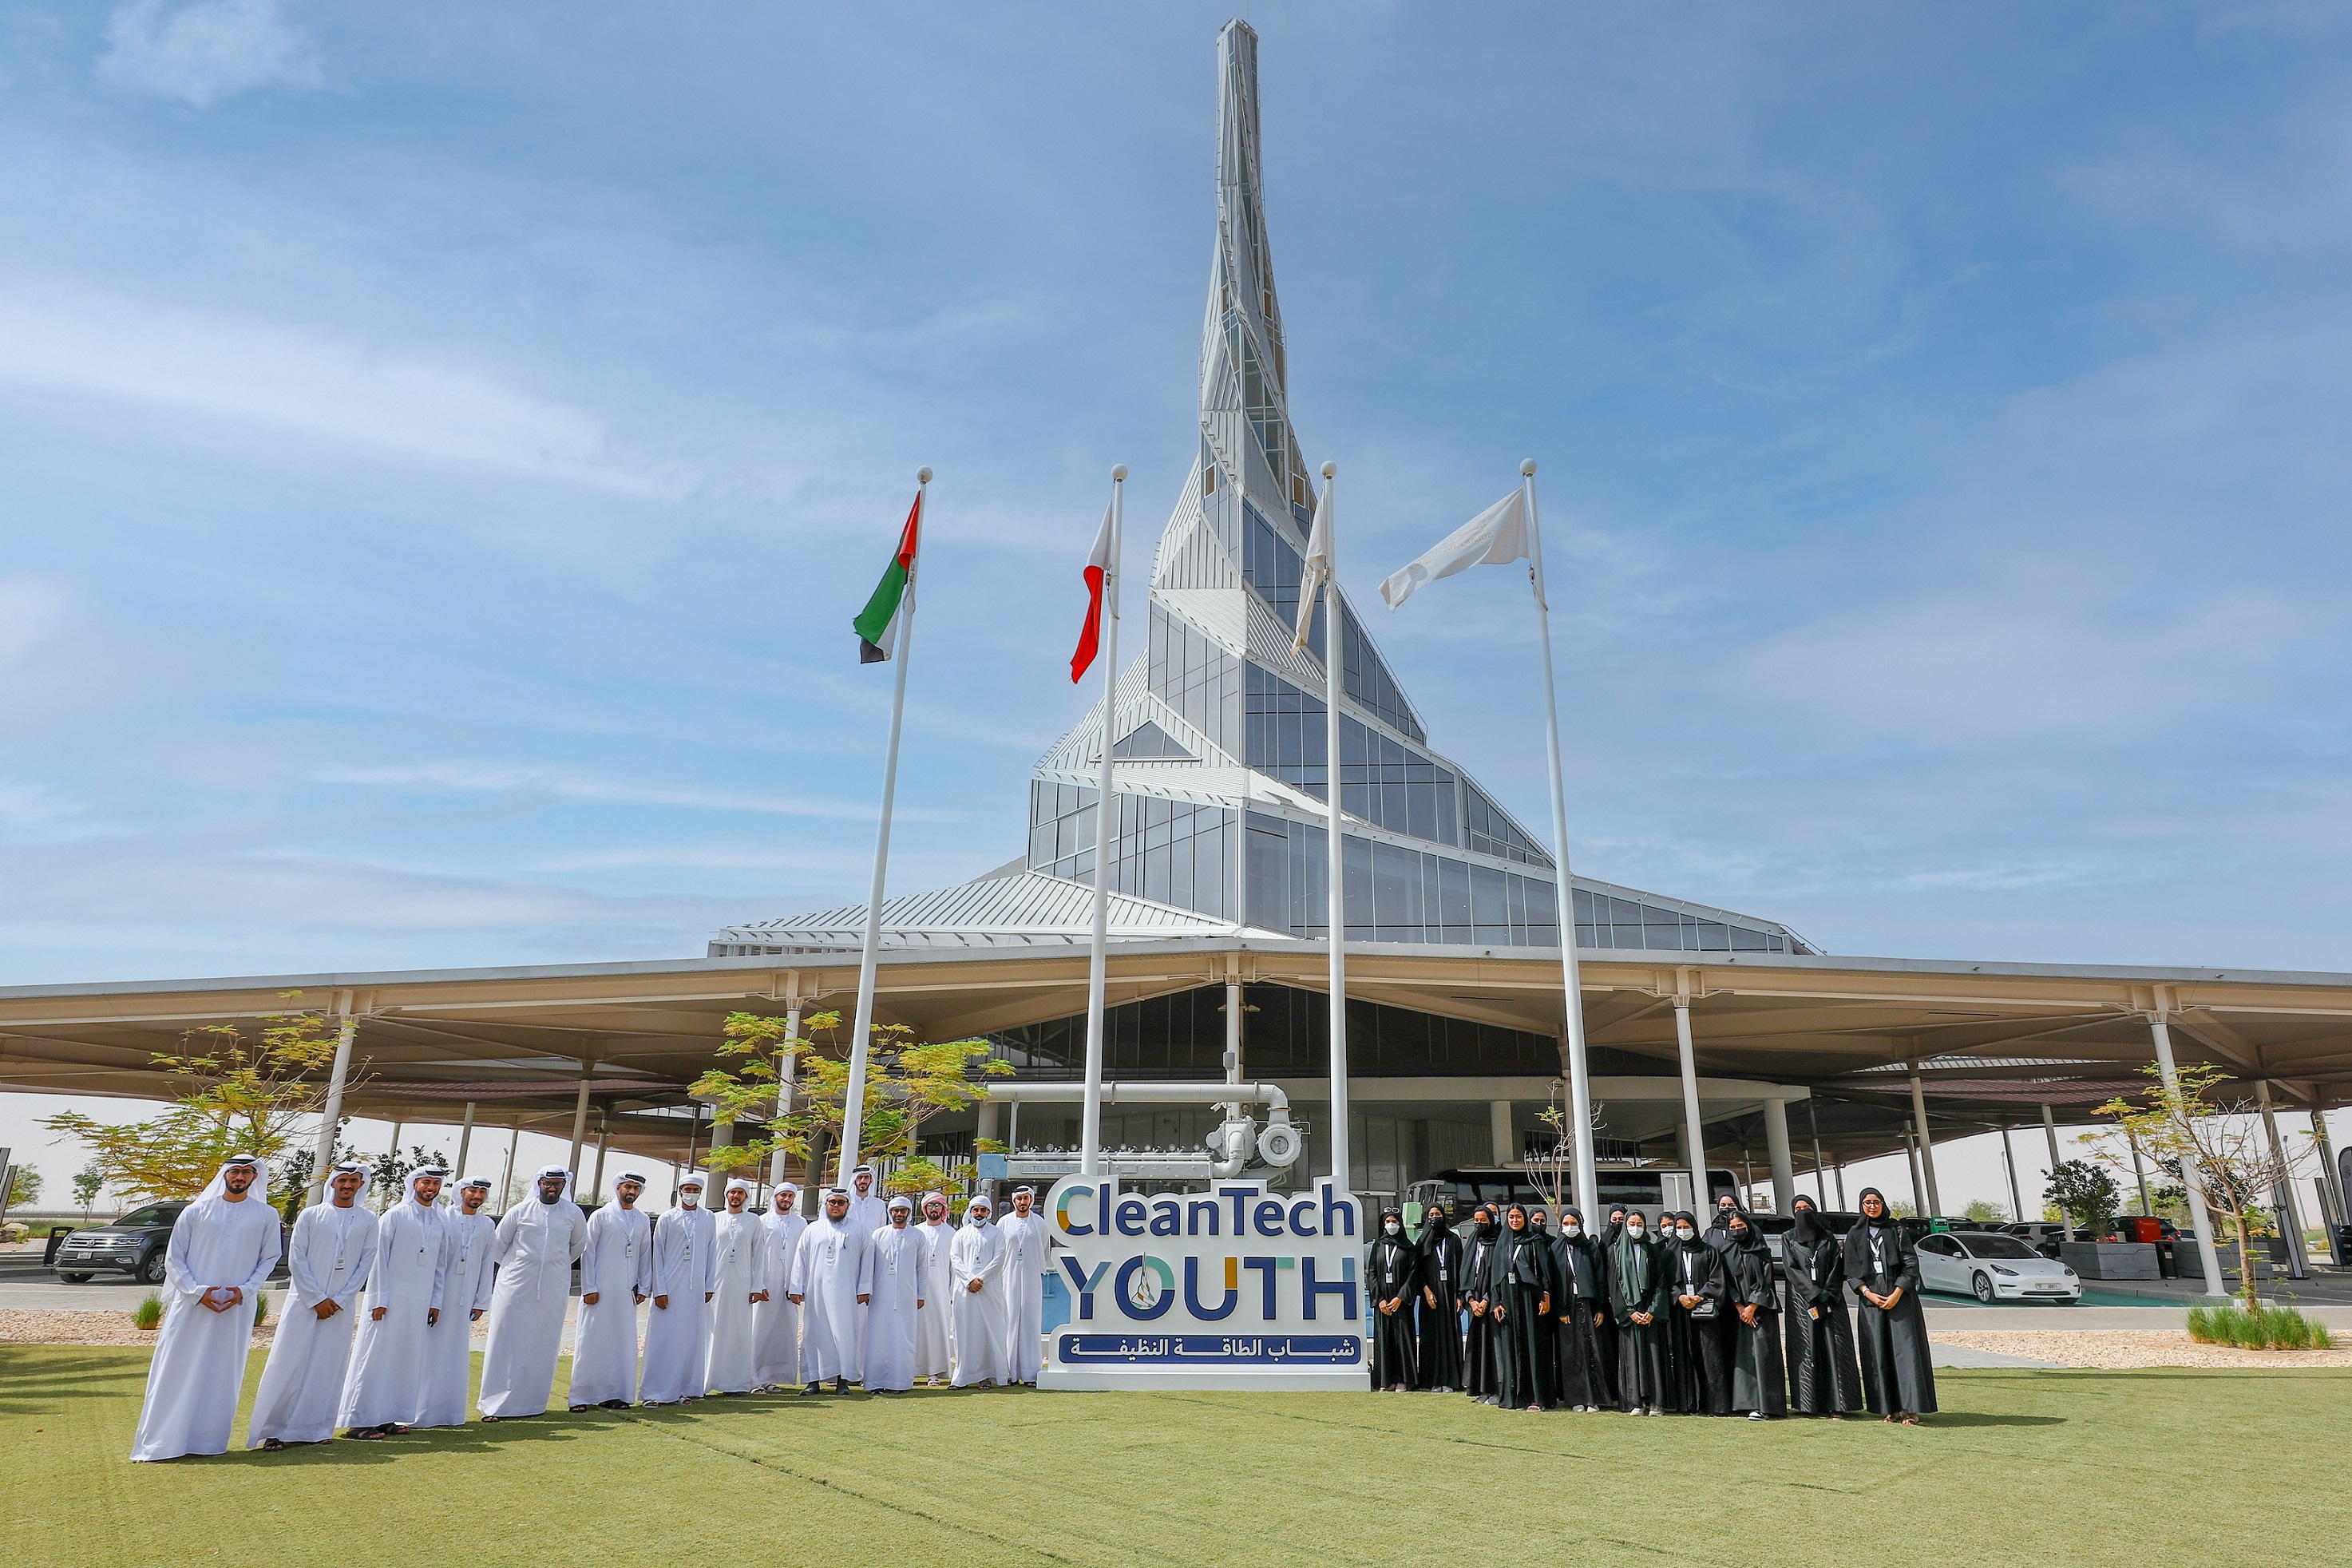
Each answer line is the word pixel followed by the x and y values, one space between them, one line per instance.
pixel 1318 570
pixel 1495 537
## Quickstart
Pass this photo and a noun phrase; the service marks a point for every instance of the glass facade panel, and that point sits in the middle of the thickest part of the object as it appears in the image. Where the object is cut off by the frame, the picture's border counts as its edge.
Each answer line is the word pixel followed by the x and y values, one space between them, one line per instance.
pixel 1627 924
pixel 1394 892
pixel 1170 852
pixel 1286 732
pixel 1286 1033
pixel 1367 679
pixel 1492 832
pixel 1198 678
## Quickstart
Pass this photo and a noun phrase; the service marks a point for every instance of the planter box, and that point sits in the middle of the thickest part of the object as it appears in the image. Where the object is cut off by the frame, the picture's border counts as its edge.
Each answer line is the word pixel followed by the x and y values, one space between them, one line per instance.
pixel 2110 1259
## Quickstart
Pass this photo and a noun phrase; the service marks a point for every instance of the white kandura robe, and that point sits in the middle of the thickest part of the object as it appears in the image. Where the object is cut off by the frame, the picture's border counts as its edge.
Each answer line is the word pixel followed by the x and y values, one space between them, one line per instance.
pixel 894 1269
pixel 301 1389
pixel 829 1275
pixel 739 1253
pixel 776 1349
pixel 867 1214
pixel 933 1357
pixel 1026 1259
pixel 616 1268
pixel 535 1249
pixel 677 1337
pixel 387 1377
pixel 977 1253
pixel 199 1367
pixel 449 1343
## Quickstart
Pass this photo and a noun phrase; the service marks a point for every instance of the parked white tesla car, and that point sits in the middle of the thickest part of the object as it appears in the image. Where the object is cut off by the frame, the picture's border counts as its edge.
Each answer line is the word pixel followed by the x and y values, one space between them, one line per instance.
pixel 1993 1267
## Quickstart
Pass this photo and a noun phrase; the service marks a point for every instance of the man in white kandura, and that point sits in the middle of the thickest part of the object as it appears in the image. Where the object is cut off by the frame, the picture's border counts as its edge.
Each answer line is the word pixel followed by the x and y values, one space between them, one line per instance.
pixel 473 1236
pixel 931 1336
pixel 740 1257
pixel 677 1336
pixel 1027 1257
pixel 976 1270
pixel 829 1284
pixel 536 1243
pixel 776 1320
pixel 895 1269
pixel 867 1212
pixel 402 1304
pixel 326 1266
pixel 616 1273
pixel 221 1252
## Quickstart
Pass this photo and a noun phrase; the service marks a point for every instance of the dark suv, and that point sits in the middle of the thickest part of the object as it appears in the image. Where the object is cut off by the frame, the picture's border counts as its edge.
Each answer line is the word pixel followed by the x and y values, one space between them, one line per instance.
pixel 133 1244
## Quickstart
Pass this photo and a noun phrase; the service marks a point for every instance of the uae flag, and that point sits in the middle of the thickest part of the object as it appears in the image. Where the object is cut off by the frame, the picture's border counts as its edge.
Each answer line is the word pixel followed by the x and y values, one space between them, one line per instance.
pixel 878 621
pixel 1098 567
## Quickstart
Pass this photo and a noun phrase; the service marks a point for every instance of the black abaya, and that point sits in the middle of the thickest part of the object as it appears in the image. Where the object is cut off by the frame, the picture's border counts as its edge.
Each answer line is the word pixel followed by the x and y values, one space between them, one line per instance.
pixel 1702 1373
pixel 1637 1283
pixel 1898 1377
pixel 1824 1376
pixel 1760 1379
pixel 1438 1350
pixel 1389 1276
pixel 1526 1284
pixel 1479 1341
pixel 1584 1369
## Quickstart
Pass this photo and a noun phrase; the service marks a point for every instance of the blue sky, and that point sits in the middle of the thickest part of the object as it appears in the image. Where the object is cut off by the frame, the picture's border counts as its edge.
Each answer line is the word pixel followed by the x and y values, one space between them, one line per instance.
pixel 441 447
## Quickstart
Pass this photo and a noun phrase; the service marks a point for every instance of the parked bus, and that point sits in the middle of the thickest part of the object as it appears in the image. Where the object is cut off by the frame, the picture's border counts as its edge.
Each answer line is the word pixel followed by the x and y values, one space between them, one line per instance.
pixel 1647 1188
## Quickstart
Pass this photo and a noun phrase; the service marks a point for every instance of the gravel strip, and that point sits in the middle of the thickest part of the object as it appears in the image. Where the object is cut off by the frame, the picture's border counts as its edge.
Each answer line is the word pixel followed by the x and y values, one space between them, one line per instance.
pixel 19 1326
pixel 2122 1350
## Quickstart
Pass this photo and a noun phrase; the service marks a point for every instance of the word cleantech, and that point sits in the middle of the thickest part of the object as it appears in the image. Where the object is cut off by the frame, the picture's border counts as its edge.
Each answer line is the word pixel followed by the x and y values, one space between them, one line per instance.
pixel 1241 1210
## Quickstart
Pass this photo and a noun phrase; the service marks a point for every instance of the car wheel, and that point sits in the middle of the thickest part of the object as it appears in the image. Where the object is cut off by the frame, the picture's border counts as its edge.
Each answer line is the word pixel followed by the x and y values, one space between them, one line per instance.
pixel 1982 1285
pixel 151 1268
pixel 74 1278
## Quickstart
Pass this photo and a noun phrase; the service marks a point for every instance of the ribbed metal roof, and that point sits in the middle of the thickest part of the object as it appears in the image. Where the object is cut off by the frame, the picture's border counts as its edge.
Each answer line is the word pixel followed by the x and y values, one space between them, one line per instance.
pixel 1023 909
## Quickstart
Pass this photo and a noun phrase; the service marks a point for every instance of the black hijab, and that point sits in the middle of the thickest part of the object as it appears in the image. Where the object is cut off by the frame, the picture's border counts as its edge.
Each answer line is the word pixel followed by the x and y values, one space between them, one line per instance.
pixel 1435 1228
pixel 1698 1236
pixel 1615 1227
pixel 1747 1240
pixel 1807 1228
pixel 1570 1212
pixel 1485 1223
pixel 1397 1215
pixel 1887 1210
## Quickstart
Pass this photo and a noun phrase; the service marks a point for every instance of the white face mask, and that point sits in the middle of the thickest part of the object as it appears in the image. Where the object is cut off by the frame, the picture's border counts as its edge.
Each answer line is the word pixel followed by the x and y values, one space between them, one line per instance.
pixel 1684 1231
pixel 1634 1228
pixel 1570 1229
pixel 1392 1227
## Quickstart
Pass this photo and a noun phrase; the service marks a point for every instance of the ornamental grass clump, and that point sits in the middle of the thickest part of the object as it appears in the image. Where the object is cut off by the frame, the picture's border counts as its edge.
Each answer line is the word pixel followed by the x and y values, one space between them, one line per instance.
pixel 260 1308
pixel 148 1314
pixel 2257 1328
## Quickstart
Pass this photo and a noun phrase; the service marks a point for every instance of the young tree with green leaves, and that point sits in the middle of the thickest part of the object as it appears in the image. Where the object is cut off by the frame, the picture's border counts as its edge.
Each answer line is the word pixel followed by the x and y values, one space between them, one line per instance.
pixel 2188 1127
pixel 89 1183
pixel 25 1187
pixel 247 1096
pixel 907 1082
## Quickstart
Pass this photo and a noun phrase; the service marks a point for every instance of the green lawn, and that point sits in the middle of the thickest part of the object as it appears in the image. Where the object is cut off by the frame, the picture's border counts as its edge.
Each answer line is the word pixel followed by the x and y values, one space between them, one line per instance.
pixel 2059 1467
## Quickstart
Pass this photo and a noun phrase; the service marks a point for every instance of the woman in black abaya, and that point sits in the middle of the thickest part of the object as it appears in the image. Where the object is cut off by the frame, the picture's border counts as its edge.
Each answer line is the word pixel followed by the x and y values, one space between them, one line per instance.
pixel 1389 1278
pixel 1823 1377
pixel 1638 1293
pixel 1582 1307
pixel 1759 1379
pixel 1526 1285
pixel 1898 1380
pixel 1437 1347
pixel 1694 1277
pixel 1480 1340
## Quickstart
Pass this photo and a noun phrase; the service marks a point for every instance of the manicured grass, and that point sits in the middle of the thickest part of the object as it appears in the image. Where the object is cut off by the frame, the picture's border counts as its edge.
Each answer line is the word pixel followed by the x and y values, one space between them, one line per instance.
pixel 2063 1467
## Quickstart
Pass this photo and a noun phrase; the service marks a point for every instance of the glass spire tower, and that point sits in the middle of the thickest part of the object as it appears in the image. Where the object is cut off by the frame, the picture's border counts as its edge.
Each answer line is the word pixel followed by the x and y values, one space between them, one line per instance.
pixel 1219 726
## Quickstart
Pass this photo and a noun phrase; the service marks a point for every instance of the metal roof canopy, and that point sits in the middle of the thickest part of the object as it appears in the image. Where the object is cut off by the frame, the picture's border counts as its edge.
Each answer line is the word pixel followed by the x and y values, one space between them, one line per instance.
pixel 1995 1040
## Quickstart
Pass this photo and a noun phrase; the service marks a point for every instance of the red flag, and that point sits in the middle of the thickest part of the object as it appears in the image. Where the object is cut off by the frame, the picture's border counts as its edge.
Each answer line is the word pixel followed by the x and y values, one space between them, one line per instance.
pixel 1098 567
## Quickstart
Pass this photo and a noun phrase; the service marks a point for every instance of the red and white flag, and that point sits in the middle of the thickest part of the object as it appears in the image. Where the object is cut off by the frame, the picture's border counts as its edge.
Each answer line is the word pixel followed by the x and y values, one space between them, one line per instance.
pixel 1099 569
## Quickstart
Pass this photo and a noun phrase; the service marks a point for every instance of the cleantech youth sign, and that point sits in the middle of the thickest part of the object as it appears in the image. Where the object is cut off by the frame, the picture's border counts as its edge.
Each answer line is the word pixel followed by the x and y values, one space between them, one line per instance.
pixel 1234 1288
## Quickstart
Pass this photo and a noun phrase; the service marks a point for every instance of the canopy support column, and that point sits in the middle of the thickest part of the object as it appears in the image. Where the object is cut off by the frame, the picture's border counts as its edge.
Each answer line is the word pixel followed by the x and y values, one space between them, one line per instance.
pixel 2290 1212
pixel 1926 1145
pixel 1776 1148
pixel 2050 1130
pixel 2207 1253
pixel 1701 1196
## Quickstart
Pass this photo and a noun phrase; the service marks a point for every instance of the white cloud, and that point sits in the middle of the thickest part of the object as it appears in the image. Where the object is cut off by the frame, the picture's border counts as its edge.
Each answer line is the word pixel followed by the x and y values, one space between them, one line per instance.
pixel 515 778
pixel 205 51
pixel 289 379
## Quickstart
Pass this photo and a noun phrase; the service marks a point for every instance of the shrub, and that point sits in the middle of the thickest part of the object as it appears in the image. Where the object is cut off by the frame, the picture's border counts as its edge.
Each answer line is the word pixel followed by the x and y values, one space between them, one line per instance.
pixel 260 1308
pixel 2258 1328
pixel 148 1313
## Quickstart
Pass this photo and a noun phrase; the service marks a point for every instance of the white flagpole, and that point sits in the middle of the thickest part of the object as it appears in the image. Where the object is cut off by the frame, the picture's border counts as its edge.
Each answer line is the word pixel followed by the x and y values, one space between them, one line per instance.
pixel 1342 1175
pixel 1106 805
pixel 1579 1081
pixel 852 1108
